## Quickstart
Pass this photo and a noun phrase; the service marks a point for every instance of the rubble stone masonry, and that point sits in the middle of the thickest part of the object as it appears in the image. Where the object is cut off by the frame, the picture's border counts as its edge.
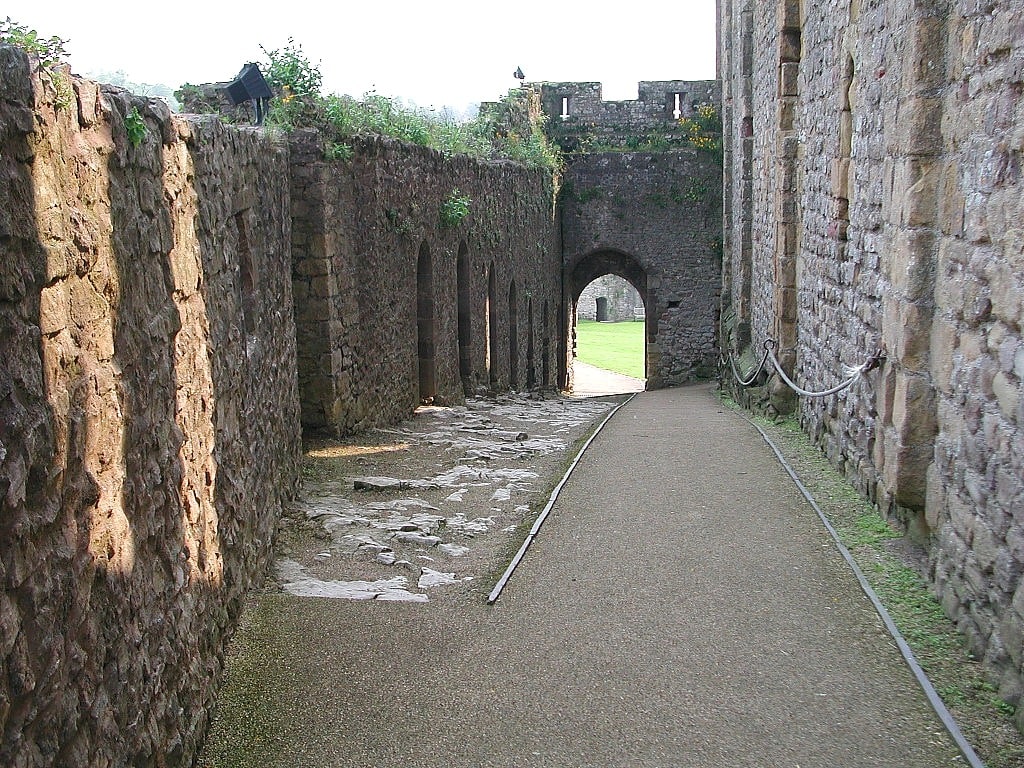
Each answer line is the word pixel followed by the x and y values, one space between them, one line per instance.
pixel 361 230
pixel 178 298
pixel 149 429
pixel 874 201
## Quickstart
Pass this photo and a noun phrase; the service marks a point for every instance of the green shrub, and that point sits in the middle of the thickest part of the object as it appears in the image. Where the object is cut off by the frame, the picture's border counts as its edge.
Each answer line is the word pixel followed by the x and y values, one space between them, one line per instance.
pixel 49 50
pixel 454 209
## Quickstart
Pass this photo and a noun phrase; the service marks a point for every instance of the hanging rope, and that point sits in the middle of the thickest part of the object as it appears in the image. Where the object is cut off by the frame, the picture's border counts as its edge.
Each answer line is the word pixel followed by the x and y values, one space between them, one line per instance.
pixel 851 374
pixel 750 380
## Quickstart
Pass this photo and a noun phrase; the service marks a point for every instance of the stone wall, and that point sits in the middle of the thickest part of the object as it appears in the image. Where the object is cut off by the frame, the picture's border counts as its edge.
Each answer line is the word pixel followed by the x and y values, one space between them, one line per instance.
pixel 621 300
pixel 577 113
pixel 396 305
pixel 654 219
pixel 873 156
pixel 149 428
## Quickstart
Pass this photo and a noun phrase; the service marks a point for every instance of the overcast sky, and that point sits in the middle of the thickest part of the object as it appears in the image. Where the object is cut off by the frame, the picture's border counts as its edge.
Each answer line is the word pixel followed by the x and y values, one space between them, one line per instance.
pixel 441 53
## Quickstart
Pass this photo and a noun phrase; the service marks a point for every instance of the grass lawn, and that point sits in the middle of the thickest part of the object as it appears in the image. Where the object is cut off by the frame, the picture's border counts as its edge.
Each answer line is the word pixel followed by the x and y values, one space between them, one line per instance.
pixel 615 347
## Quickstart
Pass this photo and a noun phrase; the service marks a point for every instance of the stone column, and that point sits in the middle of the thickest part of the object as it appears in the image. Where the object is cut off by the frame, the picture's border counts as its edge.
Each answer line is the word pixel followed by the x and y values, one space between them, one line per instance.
pixel 907 400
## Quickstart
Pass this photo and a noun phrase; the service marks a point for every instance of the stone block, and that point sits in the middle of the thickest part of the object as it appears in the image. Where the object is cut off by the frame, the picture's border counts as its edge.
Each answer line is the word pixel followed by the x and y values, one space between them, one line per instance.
pixel 975 218
pixel 916 187
pixel 986 547
pixel 1007 391
pixel 914 412
pixel 924 68
pixel 54 310
pixel 841 178
pixel 912 336
pixel 789 73
pixel 935 498
pixel 918 126
pixel 1006 293
pixel 944 340
pixel 913 265
pixel 951 200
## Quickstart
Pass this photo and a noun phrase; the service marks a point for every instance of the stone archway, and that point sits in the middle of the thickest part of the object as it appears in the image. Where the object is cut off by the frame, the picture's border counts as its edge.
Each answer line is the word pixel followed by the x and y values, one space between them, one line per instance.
pixel 611 262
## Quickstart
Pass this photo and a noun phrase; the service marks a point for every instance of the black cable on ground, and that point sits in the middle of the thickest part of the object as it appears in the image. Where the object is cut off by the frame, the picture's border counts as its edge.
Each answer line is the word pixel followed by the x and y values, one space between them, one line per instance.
pixel 908 655
pixel 496 592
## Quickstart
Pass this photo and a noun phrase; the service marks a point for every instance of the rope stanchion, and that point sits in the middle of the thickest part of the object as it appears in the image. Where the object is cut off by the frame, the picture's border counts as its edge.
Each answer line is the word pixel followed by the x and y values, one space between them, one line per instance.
pixel 852 374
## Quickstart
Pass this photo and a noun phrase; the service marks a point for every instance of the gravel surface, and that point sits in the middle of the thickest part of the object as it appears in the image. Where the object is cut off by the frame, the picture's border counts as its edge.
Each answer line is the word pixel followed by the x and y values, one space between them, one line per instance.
pixel 681 607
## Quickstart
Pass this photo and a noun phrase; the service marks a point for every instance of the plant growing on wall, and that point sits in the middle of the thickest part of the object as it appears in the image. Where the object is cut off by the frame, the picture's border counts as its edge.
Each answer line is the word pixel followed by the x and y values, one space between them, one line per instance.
pixel 339 118
pixel 697 191
pixel 289 68
pixel 135 126
pixel 704 130
pixel 49 50
pixel 454 209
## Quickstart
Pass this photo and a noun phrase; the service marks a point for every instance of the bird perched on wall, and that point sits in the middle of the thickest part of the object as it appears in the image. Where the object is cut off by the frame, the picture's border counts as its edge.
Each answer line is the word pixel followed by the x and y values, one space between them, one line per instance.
pixel 518 74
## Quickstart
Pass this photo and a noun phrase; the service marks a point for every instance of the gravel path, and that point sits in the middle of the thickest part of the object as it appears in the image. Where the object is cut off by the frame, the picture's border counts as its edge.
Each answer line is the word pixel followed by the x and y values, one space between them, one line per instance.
pixel 681 607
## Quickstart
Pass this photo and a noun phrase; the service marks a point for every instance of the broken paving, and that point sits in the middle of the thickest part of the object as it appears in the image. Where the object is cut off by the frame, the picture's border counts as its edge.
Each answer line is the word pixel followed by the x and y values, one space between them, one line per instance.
pixel 408 513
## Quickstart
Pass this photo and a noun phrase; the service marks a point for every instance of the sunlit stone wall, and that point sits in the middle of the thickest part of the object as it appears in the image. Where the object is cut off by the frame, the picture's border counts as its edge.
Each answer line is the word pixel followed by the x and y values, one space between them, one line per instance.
pixel 149 428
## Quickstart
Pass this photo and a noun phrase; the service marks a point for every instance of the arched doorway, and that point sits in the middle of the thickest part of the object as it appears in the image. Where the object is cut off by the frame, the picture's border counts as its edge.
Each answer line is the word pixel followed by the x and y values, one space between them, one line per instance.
pixel 425 329
pixel 635 307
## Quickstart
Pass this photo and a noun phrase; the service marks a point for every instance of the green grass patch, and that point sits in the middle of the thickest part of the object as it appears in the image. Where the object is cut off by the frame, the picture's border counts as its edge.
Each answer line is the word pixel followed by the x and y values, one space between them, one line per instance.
pixel 617 347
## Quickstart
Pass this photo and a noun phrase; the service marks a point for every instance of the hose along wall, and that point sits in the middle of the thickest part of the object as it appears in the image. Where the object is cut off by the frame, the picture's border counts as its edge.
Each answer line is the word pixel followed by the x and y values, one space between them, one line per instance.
pixel 853 374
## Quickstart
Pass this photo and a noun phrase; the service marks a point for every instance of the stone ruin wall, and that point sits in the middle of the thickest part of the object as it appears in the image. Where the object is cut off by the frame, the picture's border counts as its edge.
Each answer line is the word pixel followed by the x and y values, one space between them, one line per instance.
pixel 874 195
pixel 577 110
pixel 622 299
pixel 155 379
pixel 654 219
pixel 148 414
pixel 359 230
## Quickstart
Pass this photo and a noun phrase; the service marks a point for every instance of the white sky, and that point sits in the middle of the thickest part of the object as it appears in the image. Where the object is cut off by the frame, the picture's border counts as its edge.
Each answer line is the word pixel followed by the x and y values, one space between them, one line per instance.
pixel 441 53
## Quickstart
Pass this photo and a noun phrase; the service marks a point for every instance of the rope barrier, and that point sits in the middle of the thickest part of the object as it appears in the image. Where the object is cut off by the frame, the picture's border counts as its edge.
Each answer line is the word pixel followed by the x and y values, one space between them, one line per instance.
pixel 750 380
pixel 851 374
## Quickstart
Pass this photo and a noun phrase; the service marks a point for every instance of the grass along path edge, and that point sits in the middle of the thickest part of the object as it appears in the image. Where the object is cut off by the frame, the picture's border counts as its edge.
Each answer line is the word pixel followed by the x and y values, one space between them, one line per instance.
pixel 891 563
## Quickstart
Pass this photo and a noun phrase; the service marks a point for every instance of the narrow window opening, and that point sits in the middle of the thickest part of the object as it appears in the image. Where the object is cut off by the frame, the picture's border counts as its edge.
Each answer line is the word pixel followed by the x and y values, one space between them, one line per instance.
pixel 676 111
pixel 545 350
pixel 247 276
pixel 531 362
pixel 565 108
pixel 513 338
pixel 491 320
pixel 465 316
pixel 425 329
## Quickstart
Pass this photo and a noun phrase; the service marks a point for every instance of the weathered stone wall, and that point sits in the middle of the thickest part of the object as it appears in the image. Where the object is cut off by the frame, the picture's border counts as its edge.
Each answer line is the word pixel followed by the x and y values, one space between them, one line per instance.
pixel 655 220
pixel 149 425
pixel 905 190
pixel 621 300
pixel 577 112
pixel 368 316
